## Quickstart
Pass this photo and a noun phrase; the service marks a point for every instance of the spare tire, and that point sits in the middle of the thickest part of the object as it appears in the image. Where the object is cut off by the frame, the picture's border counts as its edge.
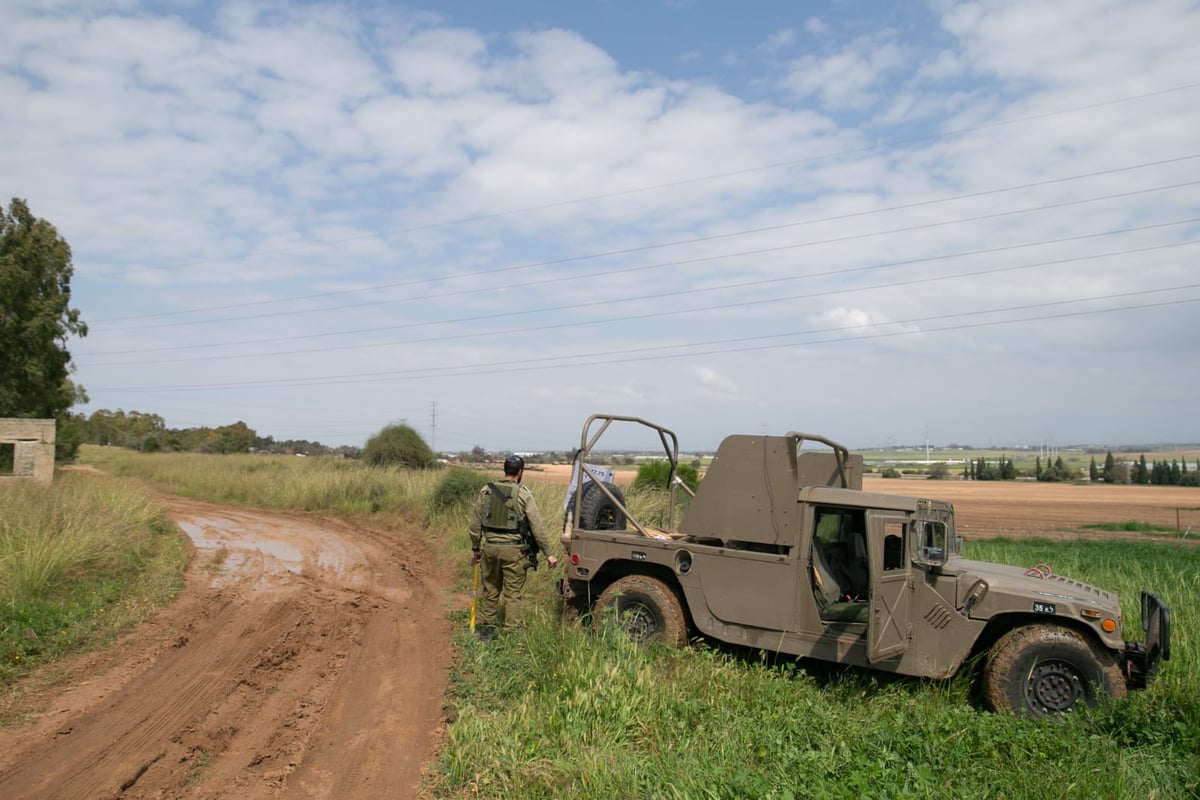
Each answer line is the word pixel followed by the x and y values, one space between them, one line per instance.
pixel 597 512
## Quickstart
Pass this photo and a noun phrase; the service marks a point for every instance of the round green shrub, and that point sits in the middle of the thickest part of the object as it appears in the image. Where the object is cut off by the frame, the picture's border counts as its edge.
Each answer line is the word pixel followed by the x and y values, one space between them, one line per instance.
pixel 398 445
pixel 654 475
pixel 457 489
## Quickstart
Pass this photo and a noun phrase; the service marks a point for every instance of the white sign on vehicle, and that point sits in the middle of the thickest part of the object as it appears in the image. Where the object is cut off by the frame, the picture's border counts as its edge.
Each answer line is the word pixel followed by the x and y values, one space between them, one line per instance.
pixel 605 474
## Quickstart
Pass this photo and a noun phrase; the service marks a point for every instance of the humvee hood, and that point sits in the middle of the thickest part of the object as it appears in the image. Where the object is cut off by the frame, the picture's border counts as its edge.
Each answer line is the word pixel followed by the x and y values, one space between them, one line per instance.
pixel 1003 579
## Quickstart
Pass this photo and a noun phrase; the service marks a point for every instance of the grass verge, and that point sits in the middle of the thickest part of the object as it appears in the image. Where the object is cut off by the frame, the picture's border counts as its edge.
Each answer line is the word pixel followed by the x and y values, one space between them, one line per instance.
pixel 82 559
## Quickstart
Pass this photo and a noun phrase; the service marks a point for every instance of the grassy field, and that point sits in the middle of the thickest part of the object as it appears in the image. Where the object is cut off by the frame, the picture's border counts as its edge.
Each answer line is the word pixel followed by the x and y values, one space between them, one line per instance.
pixel 81 560
pixel 554 712
pixel 604 719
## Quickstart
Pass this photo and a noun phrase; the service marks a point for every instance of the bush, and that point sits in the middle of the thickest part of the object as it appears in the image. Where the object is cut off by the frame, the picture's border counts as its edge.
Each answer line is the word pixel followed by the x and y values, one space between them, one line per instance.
pixel 398 445
pixel 891 472
pixel 654 475
pixel 67 438
pixel 457 489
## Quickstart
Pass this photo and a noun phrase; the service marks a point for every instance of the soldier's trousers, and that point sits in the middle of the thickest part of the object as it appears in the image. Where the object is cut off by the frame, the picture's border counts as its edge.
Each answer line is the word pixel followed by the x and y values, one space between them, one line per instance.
pixel 502 578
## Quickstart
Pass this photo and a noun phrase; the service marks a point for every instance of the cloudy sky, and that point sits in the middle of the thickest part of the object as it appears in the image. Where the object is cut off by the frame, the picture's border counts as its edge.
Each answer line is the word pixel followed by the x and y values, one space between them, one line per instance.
pixel 967 222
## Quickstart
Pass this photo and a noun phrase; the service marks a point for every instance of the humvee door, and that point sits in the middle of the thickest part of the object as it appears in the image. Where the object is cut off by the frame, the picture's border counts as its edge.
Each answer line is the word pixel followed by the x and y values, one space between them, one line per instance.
pixel 889 625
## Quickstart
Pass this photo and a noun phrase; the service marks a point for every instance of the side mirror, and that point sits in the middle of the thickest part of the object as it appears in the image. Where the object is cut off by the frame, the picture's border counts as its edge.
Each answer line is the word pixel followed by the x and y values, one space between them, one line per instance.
pixel 935 544
pixel 933 555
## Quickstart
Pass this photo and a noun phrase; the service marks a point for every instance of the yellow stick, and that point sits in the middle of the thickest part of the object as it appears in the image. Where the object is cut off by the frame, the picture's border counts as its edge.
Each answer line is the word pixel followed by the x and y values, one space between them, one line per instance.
pixel 474 595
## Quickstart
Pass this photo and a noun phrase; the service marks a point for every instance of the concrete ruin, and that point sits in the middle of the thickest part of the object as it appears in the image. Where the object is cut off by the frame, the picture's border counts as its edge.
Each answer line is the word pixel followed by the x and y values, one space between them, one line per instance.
pixel 32 441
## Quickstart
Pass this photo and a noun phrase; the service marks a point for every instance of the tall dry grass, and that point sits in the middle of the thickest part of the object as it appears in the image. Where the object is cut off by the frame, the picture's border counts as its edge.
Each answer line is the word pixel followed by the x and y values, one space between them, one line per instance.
pixel 81 559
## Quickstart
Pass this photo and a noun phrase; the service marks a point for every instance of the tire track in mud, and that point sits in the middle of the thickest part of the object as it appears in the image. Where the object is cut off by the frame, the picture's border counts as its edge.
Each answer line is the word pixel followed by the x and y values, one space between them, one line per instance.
pixel 306 658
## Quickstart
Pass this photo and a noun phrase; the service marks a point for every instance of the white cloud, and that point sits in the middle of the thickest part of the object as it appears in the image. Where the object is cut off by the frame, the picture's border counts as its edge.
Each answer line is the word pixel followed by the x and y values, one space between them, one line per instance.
pixel 525 196
pixel 848 79
pixel 713 383
pixel 779 40
pixel 1078 42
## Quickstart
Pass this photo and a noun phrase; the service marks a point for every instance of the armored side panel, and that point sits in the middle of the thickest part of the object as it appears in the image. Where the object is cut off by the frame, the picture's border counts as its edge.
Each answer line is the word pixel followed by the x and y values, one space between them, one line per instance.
pixel 750 490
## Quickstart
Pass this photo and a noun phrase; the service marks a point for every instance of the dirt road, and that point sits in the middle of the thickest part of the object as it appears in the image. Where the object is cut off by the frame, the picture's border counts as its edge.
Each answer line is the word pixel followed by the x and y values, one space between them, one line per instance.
pixel 304 659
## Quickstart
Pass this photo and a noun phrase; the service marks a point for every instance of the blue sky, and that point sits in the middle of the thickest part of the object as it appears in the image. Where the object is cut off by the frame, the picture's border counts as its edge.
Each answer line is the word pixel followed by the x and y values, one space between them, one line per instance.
pixel 972 222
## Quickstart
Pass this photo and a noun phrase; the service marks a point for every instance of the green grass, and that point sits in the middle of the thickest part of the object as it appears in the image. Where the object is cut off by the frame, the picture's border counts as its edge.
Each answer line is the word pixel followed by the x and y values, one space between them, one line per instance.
pixel 81 560
pixel 325 484
pixel 1130 526
pixel 556 712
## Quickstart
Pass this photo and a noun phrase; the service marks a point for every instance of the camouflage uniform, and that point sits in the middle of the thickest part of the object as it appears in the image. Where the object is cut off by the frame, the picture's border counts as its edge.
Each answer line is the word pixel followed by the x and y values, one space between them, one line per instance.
pixel 496 537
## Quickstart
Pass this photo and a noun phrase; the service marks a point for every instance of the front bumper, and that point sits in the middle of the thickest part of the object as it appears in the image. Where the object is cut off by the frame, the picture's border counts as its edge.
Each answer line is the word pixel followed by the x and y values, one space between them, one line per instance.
pixel 1141 660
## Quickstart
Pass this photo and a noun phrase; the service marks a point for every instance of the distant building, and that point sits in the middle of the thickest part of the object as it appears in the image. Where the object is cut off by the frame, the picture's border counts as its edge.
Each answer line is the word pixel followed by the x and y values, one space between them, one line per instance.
pixel 32 443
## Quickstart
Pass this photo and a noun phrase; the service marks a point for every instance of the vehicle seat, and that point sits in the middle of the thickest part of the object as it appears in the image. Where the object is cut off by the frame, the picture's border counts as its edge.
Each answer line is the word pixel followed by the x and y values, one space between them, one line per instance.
pixel 826 586
pixel 858 569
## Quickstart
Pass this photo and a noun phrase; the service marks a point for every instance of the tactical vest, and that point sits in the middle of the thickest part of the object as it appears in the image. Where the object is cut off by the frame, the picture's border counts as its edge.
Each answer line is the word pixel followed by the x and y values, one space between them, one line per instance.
pixel 502 516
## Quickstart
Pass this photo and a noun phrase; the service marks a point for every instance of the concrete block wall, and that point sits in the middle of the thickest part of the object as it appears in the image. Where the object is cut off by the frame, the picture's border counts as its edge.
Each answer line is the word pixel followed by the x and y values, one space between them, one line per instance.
pixel 33 447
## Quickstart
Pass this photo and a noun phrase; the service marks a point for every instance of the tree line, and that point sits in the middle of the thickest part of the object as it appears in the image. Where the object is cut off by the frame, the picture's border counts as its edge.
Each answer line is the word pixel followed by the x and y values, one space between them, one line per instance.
pixel 1158 473
pixel 149 433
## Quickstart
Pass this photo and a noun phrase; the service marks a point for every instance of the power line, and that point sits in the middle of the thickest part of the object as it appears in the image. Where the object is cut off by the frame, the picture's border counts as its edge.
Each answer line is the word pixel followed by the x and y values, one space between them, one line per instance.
pixel 678 293
pixel 643 268
pixel 637 354
pixel 619 252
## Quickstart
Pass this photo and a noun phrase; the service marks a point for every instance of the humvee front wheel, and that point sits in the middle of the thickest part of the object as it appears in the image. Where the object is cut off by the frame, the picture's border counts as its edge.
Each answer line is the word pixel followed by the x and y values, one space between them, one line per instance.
pixel 644 608
pixel 1047 670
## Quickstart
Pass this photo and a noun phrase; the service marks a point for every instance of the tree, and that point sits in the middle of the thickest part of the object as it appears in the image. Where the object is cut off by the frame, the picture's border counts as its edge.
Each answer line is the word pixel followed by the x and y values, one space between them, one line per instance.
pixel 399 445
pixel 236 438
pixel 36 319
pixel 1110 468
pixel 1008 469
pixel 134 429
pixel 1093 471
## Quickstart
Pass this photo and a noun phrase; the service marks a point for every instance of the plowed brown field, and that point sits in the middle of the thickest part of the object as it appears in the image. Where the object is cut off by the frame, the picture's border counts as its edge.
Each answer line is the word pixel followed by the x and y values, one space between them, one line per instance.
pixel 987 509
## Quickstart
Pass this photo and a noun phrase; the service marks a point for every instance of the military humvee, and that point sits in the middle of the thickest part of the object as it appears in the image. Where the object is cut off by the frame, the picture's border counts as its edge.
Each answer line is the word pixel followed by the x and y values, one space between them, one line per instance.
pixel 781 550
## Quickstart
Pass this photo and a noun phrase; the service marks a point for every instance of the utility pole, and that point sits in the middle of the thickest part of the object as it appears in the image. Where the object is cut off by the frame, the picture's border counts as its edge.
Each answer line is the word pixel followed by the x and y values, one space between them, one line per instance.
pixel 433 426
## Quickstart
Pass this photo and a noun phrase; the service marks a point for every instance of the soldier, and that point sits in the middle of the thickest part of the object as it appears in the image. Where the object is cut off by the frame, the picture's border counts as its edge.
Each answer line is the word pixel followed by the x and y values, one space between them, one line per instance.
pixel 502 513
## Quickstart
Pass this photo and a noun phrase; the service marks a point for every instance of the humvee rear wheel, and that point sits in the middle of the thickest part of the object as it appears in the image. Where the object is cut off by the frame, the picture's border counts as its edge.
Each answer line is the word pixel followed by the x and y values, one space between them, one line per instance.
pixel 1047 670
pixel 644 608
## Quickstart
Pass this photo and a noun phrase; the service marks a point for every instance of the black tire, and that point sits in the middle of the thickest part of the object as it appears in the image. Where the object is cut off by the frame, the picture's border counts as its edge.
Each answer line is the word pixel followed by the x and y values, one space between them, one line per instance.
pixel 1042 671
pixel 645 609
pixel 597 512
